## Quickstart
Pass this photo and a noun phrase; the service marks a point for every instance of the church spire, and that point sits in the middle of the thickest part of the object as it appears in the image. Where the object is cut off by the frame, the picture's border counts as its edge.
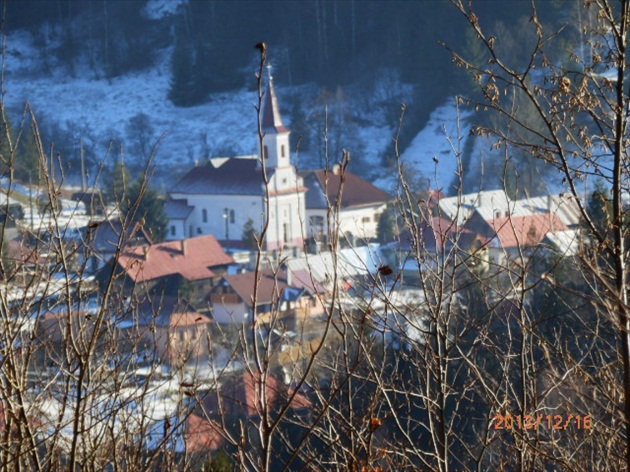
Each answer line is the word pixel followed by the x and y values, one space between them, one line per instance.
pixel 271 118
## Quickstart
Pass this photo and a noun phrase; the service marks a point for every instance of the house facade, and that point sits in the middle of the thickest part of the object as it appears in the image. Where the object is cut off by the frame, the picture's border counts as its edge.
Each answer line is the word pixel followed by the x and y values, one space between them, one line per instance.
pixel 187 267
pixel 221 196
pixel 358 204
pixel 232 299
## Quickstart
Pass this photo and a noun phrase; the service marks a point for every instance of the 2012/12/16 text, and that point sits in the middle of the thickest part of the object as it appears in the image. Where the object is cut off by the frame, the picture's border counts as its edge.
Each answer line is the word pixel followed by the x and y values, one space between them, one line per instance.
pixel 554 422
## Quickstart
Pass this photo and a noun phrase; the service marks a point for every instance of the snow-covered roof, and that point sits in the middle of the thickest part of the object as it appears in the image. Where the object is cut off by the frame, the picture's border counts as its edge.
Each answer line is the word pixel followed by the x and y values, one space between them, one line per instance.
pixel 495 204
pixel 351 262
pixel 567 243
pixel 461 207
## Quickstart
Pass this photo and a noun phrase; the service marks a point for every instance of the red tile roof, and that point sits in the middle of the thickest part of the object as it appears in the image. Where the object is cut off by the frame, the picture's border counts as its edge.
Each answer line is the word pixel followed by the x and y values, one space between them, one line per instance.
pixel 520 231
pixel 354 190
pixel 191 258
pixel 202 435
pixel 169 312
pixel 241 396
pixel 270 286
pixel 178 320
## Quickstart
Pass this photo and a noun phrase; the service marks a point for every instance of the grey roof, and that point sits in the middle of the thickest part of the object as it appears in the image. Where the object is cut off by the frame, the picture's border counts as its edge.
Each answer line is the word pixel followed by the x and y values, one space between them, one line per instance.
pixel 177 209
pixel 271 119
pixel 237 176
pixel 106 236
pixel 315 198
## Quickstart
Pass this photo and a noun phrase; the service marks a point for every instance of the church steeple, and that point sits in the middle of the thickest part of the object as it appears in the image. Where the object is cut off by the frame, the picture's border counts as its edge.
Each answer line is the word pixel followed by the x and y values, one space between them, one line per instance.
pixel 276 139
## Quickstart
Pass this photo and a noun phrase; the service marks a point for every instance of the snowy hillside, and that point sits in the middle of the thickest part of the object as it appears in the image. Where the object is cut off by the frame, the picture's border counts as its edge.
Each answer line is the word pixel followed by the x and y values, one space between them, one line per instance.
pixel 131 114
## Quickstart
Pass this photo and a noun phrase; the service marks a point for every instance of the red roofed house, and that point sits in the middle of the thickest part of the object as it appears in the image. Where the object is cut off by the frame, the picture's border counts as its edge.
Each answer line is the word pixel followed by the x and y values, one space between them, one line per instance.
pixel 239 396
pixel 177 332
pixel 221 196
pixel 511 236
pixel 232 298
pixel 185 434
pixel 171 267
pixel 359 208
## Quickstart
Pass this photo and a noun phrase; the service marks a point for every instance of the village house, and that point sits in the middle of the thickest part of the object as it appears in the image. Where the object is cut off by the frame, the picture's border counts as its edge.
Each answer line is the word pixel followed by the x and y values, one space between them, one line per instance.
pixel 238 397
pixel 232 299
pixel 359 204
pixel 221 196
pixel 172 329
pixel 99 242
pixel 178 268
pixel 186 435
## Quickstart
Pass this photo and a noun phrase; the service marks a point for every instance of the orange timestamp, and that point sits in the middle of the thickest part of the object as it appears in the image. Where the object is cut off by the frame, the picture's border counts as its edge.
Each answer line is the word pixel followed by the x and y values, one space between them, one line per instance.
pixel 554 422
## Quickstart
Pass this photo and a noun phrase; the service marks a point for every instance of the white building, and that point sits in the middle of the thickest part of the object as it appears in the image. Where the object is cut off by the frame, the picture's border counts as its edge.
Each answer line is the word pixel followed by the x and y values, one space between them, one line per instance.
pixel 221 196
pixel 356 204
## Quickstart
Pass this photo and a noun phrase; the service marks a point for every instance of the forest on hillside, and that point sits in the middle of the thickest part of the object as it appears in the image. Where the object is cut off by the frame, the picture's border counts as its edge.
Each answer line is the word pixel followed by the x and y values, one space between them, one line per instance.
pixel 330 43
pixel 343 50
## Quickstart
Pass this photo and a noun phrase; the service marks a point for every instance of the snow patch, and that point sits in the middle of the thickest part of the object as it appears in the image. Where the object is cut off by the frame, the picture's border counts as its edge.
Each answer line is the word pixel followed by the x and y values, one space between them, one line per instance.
pixel 158 9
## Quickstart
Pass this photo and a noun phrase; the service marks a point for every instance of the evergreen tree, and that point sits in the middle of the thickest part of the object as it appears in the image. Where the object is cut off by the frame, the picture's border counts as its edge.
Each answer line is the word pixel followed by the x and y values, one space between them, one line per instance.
pixel 250 236
pixel 385 227
pixel 118 182
pixel 181 92
pixel 6 136
pixel 145 205
pixel 27 165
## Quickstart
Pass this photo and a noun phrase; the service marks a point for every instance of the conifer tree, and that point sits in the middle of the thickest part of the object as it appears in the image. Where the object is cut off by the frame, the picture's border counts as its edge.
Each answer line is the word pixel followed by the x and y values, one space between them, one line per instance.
pixel 181 91
pixel 144 204
pixel 119 182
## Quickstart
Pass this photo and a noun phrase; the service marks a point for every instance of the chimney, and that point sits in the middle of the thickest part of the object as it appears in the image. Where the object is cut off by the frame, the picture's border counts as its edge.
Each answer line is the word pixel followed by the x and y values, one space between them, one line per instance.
pixel 184 244
pixel 145 252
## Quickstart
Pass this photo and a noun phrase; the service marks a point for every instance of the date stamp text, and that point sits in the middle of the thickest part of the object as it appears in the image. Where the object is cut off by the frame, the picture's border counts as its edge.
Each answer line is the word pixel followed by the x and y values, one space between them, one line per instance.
pixel 554 422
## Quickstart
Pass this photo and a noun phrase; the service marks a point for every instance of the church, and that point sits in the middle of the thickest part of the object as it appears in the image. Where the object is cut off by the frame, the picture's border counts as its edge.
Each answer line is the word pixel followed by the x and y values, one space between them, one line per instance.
pixel 221 196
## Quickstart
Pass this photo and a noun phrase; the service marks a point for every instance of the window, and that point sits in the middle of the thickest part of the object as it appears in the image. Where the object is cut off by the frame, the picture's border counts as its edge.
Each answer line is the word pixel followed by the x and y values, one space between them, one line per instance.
pixel 173 231
pixel 285 232
pixel 365 219
pixel 376 215
pixel 204 215
pixel 282 150
pixel 198 230
pixel 316 220
pixel 265 152
pixel 231 216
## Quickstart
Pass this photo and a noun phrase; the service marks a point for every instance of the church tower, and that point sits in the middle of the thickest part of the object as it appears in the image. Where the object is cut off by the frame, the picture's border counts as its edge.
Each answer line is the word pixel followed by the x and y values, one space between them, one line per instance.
pixel 276 136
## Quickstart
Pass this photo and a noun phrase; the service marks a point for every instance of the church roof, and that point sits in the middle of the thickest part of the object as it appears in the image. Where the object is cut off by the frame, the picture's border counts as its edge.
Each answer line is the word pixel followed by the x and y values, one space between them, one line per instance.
pixel 355 192
pixel 236 176
pixel 271 118
pixel 177 209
